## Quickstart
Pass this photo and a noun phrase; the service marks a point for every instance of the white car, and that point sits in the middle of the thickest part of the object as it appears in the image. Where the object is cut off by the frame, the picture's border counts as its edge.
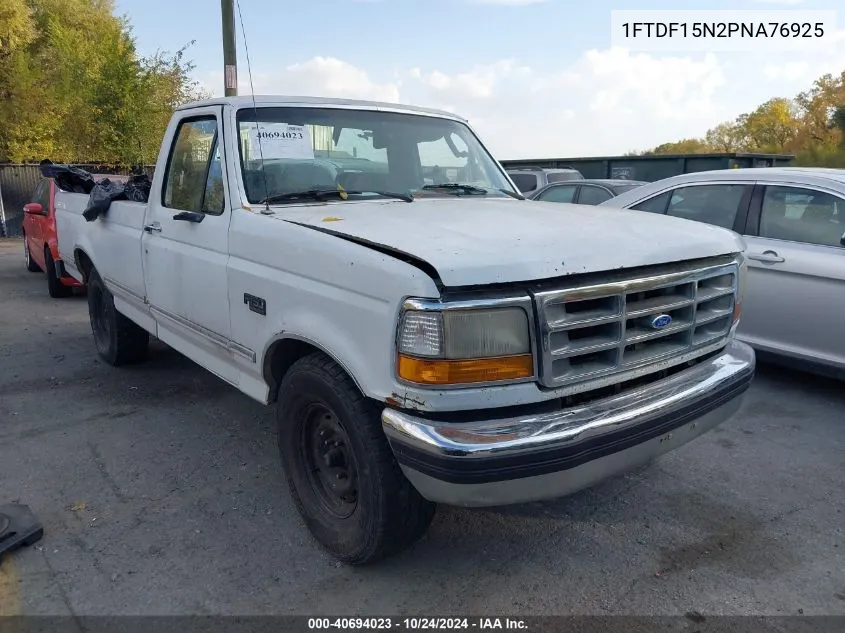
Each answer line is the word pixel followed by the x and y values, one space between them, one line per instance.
pixel 793 221
pixel 426 334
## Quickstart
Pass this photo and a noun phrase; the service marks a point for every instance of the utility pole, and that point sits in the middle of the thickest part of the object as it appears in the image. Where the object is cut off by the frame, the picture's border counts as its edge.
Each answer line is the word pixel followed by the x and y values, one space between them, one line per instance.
pixel 230 55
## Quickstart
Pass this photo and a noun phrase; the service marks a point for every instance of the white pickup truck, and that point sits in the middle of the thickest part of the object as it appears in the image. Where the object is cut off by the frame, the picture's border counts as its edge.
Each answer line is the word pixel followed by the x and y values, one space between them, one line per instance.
pixel 427 335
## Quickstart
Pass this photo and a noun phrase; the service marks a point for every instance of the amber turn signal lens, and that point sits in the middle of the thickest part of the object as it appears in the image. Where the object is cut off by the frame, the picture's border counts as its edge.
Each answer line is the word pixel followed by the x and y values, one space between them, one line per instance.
pixel 737 311
pixel 455 372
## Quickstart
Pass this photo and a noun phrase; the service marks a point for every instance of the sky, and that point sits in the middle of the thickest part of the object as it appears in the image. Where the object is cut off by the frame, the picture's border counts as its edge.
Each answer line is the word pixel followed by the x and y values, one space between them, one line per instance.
pixel 535 78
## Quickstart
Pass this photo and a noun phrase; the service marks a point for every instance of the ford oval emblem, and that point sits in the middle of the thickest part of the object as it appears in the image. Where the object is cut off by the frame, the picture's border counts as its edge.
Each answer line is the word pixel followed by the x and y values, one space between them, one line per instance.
pixel 661 321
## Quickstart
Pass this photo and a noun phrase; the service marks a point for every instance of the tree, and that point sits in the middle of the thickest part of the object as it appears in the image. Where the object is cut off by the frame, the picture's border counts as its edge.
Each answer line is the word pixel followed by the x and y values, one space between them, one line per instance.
pixel 771 126
pixel 812 126
pixel 15 26
pixel 73 87
pixel 166 83
pixel 685 146
pixel 837 120
pixel 817 105
pixel 725 137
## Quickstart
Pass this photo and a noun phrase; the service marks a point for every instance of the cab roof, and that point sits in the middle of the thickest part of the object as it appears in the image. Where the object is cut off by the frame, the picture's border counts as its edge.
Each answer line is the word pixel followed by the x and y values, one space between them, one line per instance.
pixel 245 101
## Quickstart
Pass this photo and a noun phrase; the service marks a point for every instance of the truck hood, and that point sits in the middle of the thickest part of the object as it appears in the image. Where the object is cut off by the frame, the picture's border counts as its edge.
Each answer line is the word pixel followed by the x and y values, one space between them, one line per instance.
pixel 479 241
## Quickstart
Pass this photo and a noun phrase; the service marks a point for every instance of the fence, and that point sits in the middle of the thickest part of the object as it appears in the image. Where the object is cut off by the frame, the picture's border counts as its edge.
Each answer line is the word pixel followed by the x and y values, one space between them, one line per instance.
pixel 17 184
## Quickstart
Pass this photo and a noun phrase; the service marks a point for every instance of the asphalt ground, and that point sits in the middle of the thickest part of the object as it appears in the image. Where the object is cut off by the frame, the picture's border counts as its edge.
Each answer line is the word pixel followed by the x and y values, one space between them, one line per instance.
pixel 160 491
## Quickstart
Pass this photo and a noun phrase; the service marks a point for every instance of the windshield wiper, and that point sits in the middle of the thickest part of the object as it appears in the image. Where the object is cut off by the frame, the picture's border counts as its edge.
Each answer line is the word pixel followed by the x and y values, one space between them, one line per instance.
pixel 323 194
pixel 407 197
pixel 456 187
pixel 308 194
pixel 472 189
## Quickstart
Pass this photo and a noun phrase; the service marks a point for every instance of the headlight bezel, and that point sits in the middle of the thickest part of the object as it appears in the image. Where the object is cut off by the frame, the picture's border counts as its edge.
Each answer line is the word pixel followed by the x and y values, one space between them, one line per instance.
pixel 443 306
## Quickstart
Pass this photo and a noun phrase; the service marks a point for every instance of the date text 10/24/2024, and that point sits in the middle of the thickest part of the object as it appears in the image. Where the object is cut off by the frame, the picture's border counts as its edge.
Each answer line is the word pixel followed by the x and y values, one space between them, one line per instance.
pixel 416 624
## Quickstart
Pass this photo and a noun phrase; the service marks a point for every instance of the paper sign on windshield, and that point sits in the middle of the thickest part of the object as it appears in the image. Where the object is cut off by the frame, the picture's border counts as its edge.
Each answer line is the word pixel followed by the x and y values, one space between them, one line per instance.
pixel 281 140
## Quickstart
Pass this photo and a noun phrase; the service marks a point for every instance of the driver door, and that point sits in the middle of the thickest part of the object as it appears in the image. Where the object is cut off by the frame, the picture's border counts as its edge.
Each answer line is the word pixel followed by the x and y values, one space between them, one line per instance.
pixel 185 245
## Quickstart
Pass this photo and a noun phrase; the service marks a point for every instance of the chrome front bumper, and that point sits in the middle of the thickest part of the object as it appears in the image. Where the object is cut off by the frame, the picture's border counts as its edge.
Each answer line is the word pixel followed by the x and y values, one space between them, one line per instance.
pixel 507 460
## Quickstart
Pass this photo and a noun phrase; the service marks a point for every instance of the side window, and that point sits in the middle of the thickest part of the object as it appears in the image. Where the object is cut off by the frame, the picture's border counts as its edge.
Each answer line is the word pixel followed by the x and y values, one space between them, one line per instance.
pixel 563 193
pixel 711 204
pixel 657 204
pixel 191 167
pixel 524 182
pixel 593 195
pixel 45 195
pixel 39 195
pixel 802 215
pixel 557 176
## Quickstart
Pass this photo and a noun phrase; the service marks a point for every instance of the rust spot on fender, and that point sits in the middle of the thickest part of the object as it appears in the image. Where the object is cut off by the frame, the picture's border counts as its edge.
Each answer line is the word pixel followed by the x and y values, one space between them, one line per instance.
pixel 405 401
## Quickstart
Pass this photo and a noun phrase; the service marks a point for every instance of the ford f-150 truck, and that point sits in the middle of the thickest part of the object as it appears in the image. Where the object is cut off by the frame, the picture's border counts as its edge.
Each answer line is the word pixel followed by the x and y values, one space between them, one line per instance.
pixel 426 336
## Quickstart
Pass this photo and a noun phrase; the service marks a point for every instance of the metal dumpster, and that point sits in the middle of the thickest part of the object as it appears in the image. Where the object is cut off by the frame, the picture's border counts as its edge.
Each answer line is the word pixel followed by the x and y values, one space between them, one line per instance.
pixel 654 167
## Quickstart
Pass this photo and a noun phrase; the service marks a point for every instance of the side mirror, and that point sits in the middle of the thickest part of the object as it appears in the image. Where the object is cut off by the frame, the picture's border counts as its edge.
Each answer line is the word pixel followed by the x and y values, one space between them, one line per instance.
pixel 34 208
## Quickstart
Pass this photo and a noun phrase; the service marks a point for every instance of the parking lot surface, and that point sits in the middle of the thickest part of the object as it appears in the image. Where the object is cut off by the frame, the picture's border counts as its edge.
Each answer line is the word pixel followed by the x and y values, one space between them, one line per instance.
pixel 160 491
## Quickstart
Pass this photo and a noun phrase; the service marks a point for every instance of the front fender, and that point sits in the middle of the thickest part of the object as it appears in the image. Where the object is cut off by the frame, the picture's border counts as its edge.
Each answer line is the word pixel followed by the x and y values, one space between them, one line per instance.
pixel 323 332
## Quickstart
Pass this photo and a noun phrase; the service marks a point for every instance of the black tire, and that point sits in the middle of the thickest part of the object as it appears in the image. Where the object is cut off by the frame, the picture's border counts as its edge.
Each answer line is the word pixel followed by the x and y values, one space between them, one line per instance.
pixel 381 513
pixel 119 341
pixel 55 287
pixel 31 266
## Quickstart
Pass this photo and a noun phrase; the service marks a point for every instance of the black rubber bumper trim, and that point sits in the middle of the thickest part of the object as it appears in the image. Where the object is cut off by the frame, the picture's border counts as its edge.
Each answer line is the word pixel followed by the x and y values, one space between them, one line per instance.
pixel 480 470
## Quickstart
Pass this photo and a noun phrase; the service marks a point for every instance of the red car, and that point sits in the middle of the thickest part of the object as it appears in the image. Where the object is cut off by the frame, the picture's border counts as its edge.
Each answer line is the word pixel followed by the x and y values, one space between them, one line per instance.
pixel 40 244
pixel 40 240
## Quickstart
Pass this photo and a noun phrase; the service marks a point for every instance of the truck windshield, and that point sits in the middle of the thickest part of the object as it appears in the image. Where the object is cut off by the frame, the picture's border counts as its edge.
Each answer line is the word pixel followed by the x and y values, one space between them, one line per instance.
pixel 293 150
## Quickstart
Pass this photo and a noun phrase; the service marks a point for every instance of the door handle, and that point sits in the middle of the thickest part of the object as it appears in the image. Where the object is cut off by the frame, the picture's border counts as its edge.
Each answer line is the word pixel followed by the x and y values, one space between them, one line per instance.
pixel 154 227
pixel 768 257
pixel 189 216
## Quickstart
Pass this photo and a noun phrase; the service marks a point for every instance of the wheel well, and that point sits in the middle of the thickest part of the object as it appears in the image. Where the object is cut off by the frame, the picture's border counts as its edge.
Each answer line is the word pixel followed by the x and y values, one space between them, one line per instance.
pixel 279 358
pixel 83 263
pixel 282 354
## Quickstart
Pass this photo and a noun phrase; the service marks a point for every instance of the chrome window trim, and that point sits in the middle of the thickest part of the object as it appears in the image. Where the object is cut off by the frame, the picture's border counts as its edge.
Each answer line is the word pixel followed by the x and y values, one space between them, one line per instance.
pixel 834 249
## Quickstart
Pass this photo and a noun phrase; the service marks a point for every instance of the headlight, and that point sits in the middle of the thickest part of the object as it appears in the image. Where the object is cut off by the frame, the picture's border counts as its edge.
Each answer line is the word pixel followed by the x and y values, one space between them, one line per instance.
pixel 464 346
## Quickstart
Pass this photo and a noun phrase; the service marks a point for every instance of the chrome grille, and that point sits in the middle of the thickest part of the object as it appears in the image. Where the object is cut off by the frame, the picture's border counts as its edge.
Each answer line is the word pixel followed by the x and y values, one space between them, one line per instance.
pixel 590 332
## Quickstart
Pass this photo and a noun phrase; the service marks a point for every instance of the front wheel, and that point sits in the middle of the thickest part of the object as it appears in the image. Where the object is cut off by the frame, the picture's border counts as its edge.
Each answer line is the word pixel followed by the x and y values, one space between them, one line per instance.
pixel 341 471
pixel 31 266
pixel 119 341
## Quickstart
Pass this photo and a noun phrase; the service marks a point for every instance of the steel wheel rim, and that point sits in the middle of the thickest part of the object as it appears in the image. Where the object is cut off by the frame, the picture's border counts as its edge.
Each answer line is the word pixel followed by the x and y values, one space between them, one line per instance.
pixel 330 465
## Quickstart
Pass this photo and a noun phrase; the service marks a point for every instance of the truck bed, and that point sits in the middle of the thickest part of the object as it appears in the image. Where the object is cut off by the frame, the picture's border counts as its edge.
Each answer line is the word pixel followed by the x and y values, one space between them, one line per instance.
pixel 117 234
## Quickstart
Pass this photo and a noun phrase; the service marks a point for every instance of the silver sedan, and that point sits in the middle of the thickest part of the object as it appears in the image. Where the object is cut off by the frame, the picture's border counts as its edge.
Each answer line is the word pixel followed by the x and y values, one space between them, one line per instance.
pixel 793 222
